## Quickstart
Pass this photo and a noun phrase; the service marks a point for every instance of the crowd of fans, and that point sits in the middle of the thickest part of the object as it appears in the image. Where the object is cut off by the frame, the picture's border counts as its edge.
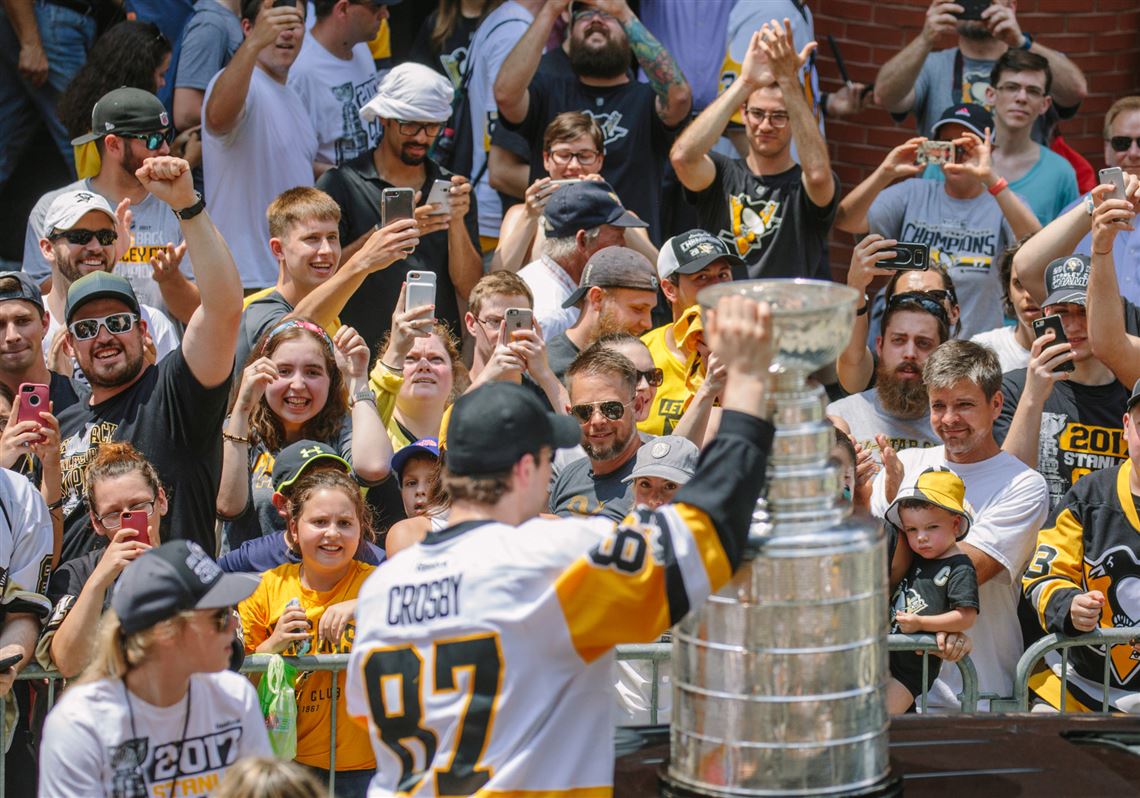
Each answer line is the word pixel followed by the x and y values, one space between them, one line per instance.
pixel 219 345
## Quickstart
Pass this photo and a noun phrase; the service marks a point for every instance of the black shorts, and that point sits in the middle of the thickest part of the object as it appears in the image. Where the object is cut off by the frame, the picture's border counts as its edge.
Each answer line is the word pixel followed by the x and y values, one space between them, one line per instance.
pixel 906 666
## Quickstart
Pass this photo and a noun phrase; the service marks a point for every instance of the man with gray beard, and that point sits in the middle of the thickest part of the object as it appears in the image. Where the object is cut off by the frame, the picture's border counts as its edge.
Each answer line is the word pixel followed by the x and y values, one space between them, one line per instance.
pixel 605 403
pixel 897 406
pixel 638 120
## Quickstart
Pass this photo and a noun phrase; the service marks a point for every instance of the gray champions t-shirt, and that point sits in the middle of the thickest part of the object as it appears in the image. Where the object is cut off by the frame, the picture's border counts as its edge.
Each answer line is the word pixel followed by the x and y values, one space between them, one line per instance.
pixel 867 418
pixel 965 237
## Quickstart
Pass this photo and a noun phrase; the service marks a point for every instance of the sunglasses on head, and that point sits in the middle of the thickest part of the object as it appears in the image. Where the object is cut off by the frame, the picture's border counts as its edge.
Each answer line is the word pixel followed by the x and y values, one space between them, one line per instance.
pixel 116 324
pixel 152 141
pixel 79 237
pixel 1122 143
pixel 923 300
pixel 613 410
pixel 653 376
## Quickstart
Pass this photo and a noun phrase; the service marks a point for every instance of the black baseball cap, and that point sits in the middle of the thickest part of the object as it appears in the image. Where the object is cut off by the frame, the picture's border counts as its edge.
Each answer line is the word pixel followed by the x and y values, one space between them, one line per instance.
pixel 615 267
pixel 1067 280
pixel 25 289
pixel 971 116
pixel 494 425
pixel 690 252
pixel 125 110
pixel 1134 398
pixel 99 285
pixel 170 579
pixel 295 458
pixel 585 205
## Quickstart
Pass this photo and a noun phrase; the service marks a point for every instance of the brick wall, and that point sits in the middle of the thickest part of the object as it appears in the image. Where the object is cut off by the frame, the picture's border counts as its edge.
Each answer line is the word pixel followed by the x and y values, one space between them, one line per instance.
pixel 1101 36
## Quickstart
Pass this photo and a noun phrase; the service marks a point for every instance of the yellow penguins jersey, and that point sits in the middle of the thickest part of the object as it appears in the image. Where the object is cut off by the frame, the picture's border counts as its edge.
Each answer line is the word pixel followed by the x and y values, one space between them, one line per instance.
pixel 483 655
pixel 1090 542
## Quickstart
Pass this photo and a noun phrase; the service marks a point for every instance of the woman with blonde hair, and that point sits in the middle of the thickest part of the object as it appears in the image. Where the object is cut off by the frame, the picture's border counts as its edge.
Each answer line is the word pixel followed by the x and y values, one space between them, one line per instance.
pixel 156 712
pixel 268 777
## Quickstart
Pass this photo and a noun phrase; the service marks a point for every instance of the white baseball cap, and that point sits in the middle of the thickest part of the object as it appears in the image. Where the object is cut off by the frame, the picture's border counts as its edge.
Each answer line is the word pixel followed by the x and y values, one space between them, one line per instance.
pixel 70 206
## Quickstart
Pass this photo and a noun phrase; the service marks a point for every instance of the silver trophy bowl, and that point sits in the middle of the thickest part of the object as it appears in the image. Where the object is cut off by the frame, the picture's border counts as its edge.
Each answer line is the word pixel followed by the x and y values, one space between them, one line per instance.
pixel 812 319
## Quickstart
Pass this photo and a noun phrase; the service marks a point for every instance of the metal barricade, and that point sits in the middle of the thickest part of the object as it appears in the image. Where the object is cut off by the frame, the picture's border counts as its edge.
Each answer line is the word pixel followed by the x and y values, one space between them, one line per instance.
pixel 1054 642
pixel 927 644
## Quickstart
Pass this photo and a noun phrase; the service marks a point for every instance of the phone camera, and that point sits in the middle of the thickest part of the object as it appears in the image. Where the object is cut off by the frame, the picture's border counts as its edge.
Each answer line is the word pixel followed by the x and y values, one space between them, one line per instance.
pixel 34 400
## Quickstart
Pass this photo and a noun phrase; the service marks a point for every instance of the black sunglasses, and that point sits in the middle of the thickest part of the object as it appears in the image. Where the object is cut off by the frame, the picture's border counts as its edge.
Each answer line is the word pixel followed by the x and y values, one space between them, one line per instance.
pixel 942 295
pixel 1122 143
pixel 152 141
pixel 654 377
pixel 923 300
pixel 81 237
pixel 613 410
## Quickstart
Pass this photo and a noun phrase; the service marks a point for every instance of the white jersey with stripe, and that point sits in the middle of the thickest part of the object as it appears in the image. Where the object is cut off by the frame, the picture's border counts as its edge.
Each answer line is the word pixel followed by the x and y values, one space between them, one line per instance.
pixel 483 657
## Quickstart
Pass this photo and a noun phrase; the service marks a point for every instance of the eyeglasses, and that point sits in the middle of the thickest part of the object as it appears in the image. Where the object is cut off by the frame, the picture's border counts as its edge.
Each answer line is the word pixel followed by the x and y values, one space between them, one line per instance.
pixel 221 618
pixel 152 141
pixel 1033 92
pixel 80 237
pixel 923 300
pixel 581 12
pixel 654 377
pixel 583 157
pixel 491 322
pixel 613 410
pixel 776 119
pixel 1122 143
pixel 115 520
pixel 116 324
pixel 413 128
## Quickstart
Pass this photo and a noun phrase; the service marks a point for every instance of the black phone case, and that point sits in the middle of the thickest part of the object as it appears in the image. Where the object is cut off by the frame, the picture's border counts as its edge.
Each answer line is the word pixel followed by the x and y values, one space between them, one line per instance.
pixel 1039 328
pixel 909 257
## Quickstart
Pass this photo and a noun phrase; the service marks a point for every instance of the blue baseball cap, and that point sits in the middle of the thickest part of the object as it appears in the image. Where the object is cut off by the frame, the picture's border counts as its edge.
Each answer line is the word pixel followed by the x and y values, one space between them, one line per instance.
pixel 426 446
pixel 585 205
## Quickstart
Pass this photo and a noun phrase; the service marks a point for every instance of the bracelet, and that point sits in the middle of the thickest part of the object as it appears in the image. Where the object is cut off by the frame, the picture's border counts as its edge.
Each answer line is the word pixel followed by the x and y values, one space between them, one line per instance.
pixel 234 438
pixel 364 395
pixel 1001 185
pixel 1102 254
pixel 1026 40
pixel 1090 204
pixel 392 369
pixel 866 306
pixel 55 505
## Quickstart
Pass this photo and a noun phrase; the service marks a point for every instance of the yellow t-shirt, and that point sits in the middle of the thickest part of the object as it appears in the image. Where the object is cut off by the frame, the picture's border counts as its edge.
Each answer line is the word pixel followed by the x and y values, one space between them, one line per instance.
pixel 673 395
pixel 259 615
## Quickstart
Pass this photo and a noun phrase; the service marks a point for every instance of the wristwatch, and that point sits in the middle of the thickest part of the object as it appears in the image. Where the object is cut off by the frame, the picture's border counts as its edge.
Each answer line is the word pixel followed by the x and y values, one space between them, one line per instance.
pixel 1026 40
pixel 1090 205
pixel 193 210
pixel 365 395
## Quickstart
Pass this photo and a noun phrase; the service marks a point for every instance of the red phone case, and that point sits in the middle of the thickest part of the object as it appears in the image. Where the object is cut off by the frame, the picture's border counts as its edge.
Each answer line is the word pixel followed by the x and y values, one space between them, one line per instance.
pixel 137 522
pixel 34 399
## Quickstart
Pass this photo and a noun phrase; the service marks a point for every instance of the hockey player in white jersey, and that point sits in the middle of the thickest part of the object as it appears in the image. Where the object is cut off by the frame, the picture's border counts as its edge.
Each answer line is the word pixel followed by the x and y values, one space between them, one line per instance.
pixel 483 655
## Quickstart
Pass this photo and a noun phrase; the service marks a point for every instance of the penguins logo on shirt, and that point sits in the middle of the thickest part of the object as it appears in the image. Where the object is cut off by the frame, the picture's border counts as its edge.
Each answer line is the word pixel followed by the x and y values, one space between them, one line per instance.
pixel 752 221
pixel 610 123
pixel 1117 575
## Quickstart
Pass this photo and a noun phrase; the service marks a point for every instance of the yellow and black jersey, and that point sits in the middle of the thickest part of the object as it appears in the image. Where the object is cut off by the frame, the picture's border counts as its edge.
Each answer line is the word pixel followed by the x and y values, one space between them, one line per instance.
pixel 483 657
pixel 1090 542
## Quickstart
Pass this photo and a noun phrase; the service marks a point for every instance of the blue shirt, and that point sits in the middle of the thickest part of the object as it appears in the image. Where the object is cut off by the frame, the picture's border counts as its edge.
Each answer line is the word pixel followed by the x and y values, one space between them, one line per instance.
pixel 1048 188
pixel 269 551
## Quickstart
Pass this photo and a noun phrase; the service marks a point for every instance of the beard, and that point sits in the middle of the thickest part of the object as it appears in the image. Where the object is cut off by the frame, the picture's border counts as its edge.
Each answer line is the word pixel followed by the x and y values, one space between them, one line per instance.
pixel 113 376
pixel 606 61
pixel 65 262
pixel 411 160
pixel 901 397
pixel 974 31
pixel 601 453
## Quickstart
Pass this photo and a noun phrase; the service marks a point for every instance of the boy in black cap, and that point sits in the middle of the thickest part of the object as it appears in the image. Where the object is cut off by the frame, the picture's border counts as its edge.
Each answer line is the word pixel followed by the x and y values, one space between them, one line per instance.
pixel 158 683
pixel 966 222
pixel 1062 414
pixel 509 595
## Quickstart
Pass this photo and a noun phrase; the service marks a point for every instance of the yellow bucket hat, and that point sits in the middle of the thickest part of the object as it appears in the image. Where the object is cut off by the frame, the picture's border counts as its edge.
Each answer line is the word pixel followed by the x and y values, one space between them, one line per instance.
pixel 938 486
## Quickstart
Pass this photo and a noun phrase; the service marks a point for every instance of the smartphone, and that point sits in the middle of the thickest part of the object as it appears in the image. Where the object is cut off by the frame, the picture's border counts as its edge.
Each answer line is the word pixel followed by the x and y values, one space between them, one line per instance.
pixel 973 8
pixel 908 257
pixel 10 662
pixel 396 203
pixel 138 522
pixel 33 401
pixel 284 3
pixel 518 319
pixel 1053 323
pixel 935 152
pixel 1113 175
pixel 421 289
pixel 440 194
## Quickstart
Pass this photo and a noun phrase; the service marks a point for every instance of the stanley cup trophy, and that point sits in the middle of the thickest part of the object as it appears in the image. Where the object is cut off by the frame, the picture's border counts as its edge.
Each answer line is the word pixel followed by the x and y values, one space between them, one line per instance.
pixel 779 679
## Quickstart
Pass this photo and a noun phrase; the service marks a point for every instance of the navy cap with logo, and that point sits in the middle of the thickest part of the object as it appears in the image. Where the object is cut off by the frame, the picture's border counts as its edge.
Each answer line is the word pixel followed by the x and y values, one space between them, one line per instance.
pixel 175 577
pixel 1067 281
pixel 428 447
pixel 125 110
pixel 493 426
pixel 99 285
pixel 690 252
pixel 583 206
pixel 972 116
pixel 25 288
pixel 615 267
pixel 297 457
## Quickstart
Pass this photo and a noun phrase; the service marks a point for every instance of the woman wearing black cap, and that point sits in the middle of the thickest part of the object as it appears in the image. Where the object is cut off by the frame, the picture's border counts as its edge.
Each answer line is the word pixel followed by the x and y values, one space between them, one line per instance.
pixel 156 713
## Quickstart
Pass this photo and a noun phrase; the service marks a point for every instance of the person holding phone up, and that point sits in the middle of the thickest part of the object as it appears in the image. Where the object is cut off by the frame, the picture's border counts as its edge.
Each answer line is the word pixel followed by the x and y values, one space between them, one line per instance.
pixel 412 103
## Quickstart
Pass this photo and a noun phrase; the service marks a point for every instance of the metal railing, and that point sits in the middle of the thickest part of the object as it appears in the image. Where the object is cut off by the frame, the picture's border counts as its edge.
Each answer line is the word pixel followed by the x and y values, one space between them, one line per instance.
pixel 1026 666
pixel 927 644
